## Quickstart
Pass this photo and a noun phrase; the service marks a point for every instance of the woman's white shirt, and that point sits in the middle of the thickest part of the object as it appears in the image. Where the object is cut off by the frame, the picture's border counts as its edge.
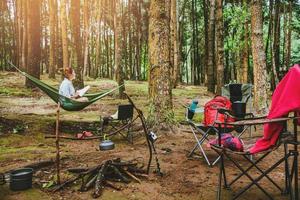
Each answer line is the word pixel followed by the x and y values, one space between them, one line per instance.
pixel 66 88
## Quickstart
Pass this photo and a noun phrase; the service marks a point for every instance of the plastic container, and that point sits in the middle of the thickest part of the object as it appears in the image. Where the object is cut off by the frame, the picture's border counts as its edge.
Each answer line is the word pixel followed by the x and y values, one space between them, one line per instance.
pixel 21 179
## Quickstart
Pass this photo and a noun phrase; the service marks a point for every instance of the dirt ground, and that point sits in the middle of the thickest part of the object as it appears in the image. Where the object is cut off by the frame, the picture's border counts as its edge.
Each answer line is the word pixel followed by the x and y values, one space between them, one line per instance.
pixel 25 119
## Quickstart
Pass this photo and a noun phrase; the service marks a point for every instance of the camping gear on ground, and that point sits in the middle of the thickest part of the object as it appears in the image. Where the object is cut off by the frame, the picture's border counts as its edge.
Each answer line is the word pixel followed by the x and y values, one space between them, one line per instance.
pixel 289 159
pixel 120 121
pixel 106 145
pixel 21 179
pixel 66 103
pixel 221 109
pixel 229 141
pixel 84 134
pixel 285 99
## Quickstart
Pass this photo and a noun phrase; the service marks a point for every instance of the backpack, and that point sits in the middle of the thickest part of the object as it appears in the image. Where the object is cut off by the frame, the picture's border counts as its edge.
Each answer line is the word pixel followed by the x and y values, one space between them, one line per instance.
pixel 211 113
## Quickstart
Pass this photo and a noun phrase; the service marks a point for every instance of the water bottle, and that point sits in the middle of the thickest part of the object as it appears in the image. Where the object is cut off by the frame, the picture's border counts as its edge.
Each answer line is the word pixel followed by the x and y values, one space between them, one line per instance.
pixel 193 105
pixel 192 109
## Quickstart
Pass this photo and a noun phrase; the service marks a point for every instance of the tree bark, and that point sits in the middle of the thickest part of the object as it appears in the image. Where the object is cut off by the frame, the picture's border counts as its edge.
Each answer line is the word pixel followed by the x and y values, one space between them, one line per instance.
pixel 86 21
pixel 259 58
pixel 64 33
pixel 220 45
pixel 287 43
pixel 52 56
pixel 77 42
pixel 211 48
pixel 24 35
pixel 175 38
pixel 160 86
pixel 119 74
pixel 34 40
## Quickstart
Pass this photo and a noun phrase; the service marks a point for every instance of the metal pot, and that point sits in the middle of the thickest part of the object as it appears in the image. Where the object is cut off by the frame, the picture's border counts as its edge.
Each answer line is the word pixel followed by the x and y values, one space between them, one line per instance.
pixel 106 145
pixel 21 179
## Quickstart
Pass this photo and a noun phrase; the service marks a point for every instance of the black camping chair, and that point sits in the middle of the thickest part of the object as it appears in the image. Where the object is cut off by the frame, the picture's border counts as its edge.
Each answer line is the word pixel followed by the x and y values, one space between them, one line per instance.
pixel 291 171
pixel 120 121
pixel 240 96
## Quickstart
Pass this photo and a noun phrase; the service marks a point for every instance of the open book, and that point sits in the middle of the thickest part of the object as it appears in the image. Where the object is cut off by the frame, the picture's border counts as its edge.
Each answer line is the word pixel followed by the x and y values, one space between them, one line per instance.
pixel 83 90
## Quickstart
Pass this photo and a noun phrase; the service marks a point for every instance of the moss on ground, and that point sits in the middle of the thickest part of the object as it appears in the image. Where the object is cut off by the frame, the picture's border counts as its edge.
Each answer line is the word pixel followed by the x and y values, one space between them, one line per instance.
pixel 31 194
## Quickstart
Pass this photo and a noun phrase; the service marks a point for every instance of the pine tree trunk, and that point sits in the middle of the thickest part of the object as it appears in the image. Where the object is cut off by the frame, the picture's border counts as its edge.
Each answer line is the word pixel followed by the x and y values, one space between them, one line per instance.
pixel 77 42
pixel 64 33
pixel 86 21
pixel 160 86
pixel 287 43
pixel 220 45
pixel 259 58
pixel 24 35
pixel 19 31
pixel 206 48
pixel 245 55
pixel 52 57
pixel 34 40
pixel 174 38
pixel 119 76
pixel 276 44
pixel 211 48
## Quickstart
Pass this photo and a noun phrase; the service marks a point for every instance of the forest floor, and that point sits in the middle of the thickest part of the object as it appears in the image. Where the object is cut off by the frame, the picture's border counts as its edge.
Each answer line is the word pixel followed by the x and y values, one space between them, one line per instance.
pixel 26 116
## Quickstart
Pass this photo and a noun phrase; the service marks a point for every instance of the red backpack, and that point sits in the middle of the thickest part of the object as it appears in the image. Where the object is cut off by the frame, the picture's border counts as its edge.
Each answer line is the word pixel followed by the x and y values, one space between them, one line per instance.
pixel 210 110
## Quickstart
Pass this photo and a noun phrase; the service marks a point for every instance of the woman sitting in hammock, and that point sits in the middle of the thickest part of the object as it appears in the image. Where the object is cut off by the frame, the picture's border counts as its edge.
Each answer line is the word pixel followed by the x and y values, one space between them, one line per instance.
pixel 67 89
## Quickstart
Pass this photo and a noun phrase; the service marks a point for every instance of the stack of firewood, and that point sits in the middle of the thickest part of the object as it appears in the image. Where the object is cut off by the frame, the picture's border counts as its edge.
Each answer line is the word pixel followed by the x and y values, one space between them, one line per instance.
pixel 105 174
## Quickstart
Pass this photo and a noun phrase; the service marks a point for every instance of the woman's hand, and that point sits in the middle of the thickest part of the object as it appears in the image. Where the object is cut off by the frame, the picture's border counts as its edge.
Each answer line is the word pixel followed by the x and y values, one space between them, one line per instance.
pixel 76 95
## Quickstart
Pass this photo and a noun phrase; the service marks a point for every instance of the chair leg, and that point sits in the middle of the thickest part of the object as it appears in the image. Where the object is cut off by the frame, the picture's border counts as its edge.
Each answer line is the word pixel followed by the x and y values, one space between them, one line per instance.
pixel 296 175
pixel 220 177
pixel 249 168
pixel 255 181
pixel 199 145
pixel 287 189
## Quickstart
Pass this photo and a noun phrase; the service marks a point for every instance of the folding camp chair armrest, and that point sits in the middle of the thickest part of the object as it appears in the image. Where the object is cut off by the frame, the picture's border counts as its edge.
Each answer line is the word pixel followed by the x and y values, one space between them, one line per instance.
pixel 224 111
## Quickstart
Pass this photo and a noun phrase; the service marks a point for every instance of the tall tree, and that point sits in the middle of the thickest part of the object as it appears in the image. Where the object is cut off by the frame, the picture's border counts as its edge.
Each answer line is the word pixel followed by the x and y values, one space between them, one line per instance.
pixel 86 24
pixel 259 57
pixel 77 42
pixel 288 32
pixel 174 43
pixel 34 40
pixel 52 56
pixel 160 87
pixel 119 71
pixel 25 34
pixel 220 45
pixel 211 48
pixel 245 48
pixel 64 33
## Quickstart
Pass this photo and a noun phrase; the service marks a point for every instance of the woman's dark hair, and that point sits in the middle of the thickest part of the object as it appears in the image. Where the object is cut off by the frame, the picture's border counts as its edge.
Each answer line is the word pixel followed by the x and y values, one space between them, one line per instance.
pixel 67 72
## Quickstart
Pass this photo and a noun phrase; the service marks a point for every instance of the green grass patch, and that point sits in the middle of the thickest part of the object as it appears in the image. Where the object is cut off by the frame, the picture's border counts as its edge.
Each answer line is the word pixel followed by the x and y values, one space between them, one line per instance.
pixel 13 91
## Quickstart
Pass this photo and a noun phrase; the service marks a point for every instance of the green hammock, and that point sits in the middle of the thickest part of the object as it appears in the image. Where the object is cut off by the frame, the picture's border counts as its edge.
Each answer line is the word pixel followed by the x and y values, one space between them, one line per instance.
pixel 65 102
